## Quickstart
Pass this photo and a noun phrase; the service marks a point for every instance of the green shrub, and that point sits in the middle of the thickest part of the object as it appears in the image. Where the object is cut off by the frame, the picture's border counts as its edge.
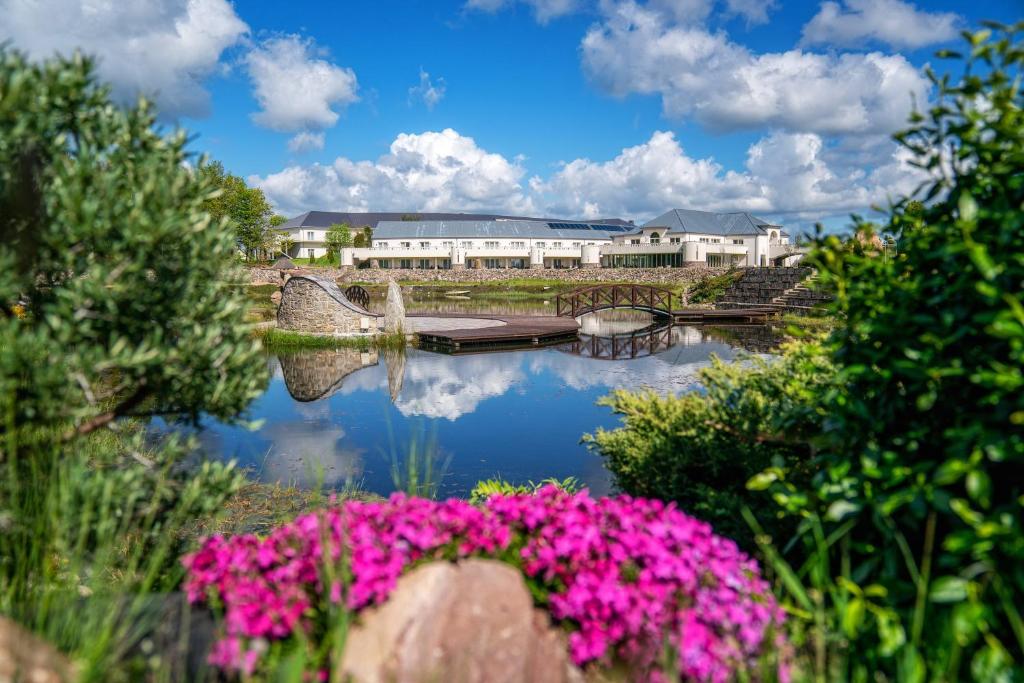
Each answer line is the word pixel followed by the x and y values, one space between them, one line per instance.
pixel 913 523
pixel 111 311
pixel 699 449
pixel 488 487
pixel 710 288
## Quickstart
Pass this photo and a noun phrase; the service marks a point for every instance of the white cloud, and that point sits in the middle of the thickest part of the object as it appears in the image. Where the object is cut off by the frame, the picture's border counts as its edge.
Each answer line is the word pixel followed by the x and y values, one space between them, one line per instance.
pixel 543 10
pixel 786 174
pixel 295 88
pixel 897 23
pixel 161 48
pixel 431 171
pixel 644 179
pixel 428 91
pixel 795 174
pixel 726 87
pixel 754 11
pixel 305 142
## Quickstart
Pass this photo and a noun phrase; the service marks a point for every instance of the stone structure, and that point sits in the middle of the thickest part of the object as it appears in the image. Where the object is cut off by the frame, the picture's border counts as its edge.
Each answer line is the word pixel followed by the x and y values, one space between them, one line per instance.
pixel 394 309
pixel 314 375
pixel 26 657
pixel 781 289
pixel 467 623
pixel 315 305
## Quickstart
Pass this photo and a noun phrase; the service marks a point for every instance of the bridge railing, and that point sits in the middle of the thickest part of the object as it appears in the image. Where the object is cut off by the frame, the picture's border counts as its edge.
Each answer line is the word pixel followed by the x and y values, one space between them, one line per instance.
pixel 589 299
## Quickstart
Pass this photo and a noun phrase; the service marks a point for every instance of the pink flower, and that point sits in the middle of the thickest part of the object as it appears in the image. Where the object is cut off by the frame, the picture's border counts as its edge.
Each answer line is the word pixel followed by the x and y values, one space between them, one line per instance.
pixel 626 575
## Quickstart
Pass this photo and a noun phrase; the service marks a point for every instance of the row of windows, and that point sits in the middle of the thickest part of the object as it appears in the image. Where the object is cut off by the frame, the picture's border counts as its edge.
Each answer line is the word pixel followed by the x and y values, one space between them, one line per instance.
pixel 490 244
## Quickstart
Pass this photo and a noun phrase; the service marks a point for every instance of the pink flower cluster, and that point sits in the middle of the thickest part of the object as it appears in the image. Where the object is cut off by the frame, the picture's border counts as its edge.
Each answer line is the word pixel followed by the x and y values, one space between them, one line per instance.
pixel 628 576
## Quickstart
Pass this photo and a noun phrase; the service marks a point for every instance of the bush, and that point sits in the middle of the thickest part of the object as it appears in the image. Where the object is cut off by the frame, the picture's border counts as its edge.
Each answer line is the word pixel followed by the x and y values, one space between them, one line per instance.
pixel 699 449
pixel 913 522
pixel 710 288
pixel 628 577
pixel 111 311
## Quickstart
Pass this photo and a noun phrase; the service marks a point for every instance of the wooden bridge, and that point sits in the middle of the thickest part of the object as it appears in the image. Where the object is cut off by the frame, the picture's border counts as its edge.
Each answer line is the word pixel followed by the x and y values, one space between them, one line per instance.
pixel 646 342
pixel 655 300
pixel 598 298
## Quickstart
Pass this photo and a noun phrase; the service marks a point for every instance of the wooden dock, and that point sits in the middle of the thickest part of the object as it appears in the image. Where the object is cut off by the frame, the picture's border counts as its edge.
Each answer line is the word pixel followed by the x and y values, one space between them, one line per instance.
pixel 701 316
pixel 517 330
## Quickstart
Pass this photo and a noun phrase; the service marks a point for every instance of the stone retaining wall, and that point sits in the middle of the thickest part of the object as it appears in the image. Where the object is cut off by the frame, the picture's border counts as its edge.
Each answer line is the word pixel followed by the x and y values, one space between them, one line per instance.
pixel 688 274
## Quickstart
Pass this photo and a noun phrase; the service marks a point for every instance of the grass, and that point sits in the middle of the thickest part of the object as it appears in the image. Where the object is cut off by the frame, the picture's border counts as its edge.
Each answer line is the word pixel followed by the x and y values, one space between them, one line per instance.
pixel 710 289
pixel 276 341
pixel 809 322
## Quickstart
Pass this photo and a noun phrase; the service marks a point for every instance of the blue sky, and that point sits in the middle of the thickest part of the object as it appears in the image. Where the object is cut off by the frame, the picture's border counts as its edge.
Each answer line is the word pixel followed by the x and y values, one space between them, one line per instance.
pixel 574 108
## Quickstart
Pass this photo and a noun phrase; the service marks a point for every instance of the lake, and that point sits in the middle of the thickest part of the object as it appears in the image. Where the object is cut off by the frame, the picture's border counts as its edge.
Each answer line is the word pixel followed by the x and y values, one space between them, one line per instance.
pixel 377 420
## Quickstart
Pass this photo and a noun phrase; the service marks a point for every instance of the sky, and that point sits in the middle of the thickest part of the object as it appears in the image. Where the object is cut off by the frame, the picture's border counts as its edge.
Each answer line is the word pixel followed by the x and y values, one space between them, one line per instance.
pixel 559 108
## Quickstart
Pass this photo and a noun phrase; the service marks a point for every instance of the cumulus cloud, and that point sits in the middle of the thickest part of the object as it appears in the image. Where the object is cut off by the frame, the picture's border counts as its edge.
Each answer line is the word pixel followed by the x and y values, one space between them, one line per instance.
pixel 704 75
pixel 164 49
pixel 754 11
pixel 295 87
pixel 427 91
pixel 306 142
pixel 796 174
pixel 431 171
pixel 894 22
pixel 543 10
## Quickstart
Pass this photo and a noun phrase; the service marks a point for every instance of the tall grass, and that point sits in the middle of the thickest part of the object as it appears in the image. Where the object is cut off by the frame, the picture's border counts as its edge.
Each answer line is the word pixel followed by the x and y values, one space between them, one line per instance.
pixel 277 341
pixel 93 532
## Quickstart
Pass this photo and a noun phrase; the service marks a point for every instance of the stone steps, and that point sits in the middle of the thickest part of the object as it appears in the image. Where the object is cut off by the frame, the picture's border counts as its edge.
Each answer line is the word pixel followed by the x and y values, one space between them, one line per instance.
pixel 775 289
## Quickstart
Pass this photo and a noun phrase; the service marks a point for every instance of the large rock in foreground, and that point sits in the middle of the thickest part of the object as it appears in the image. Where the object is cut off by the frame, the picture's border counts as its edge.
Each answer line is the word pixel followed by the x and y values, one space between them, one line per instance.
pixel 466 623
pixel 26 657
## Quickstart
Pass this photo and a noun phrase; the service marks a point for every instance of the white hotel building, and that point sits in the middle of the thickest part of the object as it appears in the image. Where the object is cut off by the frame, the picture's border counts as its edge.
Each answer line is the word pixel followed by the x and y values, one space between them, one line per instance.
pixel 677 238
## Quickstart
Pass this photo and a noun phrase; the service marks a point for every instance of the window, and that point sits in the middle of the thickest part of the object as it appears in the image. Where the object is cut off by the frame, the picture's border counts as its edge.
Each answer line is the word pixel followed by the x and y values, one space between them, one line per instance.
pixel 309 235
pixel 424 245
pixel 541 244
pixel 385 263
pixel 634 241
pixel 519 245
pixel 490 245
pixel 447 243
pixel 655 238
pixel 737 241
pixel 406 245
pixel 674 240
pixel 406 263
pixel 424 263
pixel 517 263
pixel 311 253
pixel 466 245
pixel 492 263
pixel 577 244
pixel 556 245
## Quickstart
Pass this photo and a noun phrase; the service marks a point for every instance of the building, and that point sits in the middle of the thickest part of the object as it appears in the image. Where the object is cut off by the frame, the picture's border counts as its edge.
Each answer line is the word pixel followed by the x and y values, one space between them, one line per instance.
pixel 308 231
pixel 680 237
pixel 500 243
pixel 683 237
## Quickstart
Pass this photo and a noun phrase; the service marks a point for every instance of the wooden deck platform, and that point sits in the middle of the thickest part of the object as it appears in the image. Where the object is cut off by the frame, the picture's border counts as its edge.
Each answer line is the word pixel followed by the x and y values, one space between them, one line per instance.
pixel 701 316
pixel 518 330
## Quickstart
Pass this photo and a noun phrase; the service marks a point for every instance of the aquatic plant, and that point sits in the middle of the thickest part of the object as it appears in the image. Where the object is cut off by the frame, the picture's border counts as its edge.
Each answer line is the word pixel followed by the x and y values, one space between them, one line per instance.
pixel 626 575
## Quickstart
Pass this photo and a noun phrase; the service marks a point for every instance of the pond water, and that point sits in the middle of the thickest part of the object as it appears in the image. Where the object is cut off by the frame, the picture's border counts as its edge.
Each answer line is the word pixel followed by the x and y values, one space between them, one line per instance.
pixel 380 420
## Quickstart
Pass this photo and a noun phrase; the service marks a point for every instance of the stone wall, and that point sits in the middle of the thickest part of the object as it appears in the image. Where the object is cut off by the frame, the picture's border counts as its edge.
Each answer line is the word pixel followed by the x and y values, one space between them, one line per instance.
pixel 578 275
pixel 315 305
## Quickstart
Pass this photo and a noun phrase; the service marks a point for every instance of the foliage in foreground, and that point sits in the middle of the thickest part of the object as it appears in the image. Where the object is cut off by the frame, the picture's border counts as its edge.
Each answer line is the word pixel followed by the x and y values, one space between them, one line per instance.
pixel 699 448
pixel 913 523
pixel 629 577
pixel 110 309
pixel 909 556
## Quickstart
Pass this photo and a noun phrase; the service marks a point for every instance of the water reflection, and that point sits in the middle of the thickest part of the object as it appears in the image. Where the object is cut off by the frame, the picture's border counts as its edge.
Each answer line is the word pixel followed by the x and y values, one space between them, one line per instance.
pixel 418 419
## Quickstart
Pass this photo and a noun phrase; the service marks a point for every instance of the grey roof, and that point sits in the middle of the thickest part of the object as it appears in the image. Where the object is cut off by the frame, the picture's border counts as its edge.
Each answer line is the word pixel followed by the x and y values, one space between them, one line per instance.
pixel 710 223
pixel 325 219
pixel 503 228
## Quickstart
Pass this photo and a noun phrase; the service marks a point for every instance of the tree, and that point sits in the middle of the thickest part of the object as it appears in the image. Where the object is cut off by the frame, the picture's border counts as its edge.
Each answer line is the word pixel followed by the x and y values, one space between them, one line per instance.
pixel 112 306
pixel 339 236
pixel 244 209
pixel 363 237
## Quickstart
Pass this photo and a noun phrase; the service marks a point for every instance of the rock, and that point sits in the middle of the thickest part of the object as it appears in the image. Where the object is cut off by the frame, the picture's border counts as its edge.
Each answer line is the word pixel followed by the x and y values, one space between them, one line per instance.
pixel 26 657
pixel 315 305
pixel 276 297
pixel 394 309
pixel 467 623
